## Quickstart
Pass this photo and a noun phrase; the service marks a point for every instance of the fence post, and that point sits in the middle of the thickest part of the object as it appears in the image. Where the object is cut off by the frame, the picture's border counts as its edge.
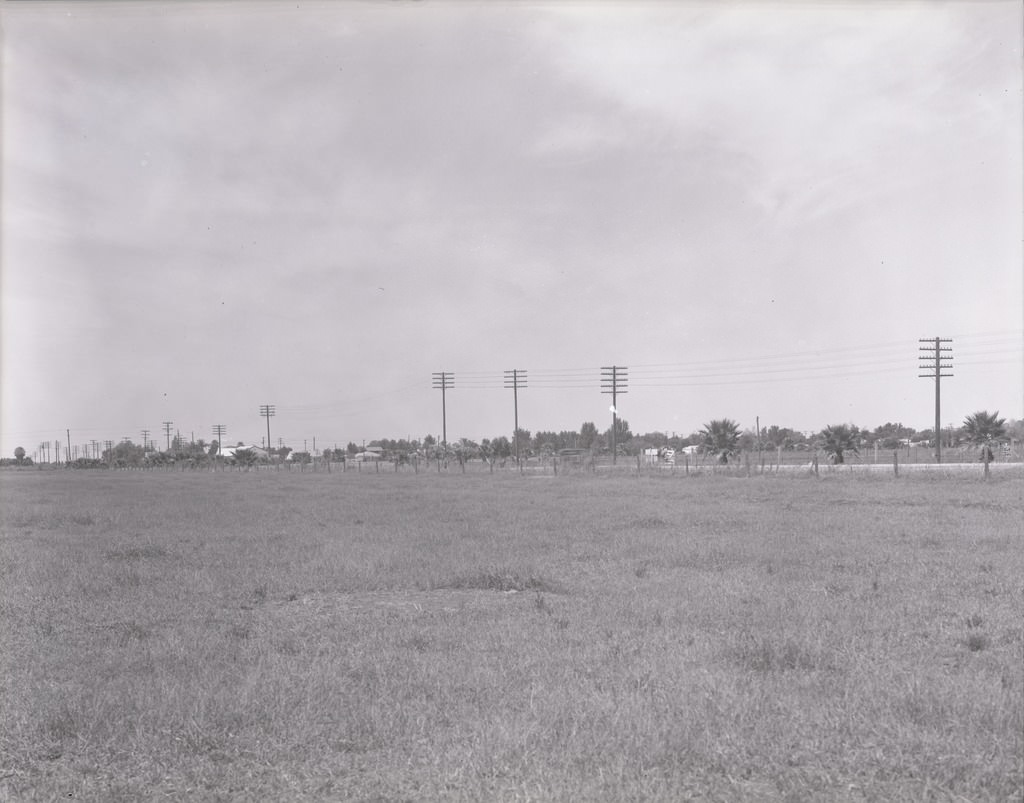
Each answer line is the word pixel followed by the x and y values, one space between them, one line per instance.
pixel 814 464
pixel 986 454
pixel 895 462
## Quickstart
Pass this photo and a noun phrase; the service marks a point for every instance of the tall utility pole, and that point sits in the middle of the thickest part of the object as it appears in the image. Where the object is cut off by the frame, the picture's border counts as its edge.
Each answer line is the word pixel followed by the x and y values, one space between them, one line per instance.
pixel 613 380
pixel 268 412
pixel 444 381
pixel 167 432
pixel 145 439
pixel 515 379
pixel 219 430
pixel 933 359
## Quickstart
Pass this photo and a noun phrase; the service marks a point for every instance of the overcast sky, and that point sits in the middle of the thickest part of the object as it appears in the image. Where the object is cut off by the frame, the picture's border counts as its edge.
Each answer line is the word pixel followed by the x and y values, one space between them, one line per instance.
pixel 759 209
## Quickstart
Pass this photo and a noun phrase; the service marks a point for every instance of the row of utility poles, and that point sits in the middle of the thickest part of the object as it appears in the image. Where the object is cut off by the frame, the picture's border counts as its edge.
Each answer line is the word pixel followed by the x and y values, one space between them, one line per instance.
pixel 91 450
pixel 614 379
pixel 936 358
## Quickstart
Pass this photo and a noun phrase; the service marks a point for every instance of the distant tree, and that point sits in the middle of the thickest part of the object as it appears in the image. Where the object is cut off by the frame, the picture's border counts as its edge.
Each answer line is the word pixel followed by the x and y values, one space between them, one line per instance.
pixel 983 428
pixel 545 443
pixel 19 455
pixel 352 448
pixel 776 437
pixel 214 448
pixel 302 458
pixel 246 457
pixel 622 436
pixel 501 447
pixel 653 440
pixel 837 440
pixel 522 437
pixel 720 438
pixel 588 434
pixel 890 435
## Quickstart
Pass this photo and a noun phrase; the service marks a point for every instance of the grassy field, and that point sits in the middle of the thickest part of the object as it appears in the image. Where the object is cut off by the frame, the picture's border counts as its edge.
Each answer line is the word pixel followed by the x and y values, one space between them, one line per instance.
pixel 363 636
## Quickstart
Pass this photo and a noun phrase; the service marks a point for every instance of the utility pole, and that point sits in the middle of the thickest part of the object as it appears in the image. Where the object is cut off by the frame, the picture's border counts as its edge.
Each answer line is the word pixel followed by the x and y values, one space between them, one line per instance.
pixel 68 431
pixel 167 432
pixel 613 380
pixel 219 430
pixel 444 381
pixel 515 379
pixel 145 439
pixel 268 411
pixel 933 358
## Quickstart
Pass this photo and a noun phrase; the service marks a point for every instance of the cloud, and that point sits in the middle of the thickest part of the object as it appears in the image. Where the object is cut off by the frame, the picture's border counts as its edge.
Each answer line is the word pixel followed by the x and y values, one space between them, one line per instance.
pixel 194 192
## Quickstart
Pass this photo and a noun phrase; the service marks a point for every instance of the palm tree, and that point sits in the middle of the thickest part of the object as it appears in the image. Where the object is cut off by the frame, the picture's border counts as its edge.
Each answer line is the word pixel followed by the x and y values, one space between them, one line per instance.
pixel 835 440
pixel 19 455
pixel 983 427
pixel 720 438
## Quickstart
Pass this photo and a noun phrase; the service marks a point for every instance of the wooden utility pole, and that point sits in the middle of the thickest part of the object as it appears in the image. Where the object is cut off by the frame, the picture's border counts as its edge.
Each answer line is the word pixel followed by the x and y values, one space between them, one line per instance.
pixel 268 411
pixel 933 360
pixel 613 380
pixel 443 381
pixel 515 379
pixel 219 430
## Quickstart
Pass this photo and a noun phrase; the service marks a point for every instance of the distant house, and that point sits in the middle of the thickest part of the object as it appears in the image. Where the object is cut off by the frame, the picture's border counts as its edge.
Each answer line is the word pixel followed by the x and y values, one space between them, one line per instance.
pixel 371 453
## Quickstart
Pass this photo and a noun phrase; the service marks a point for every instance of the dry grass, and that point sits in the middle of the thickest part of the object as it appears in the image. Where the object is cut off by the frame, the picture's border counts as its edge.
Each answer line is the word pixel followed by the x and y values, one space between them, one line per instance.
pixel 282 636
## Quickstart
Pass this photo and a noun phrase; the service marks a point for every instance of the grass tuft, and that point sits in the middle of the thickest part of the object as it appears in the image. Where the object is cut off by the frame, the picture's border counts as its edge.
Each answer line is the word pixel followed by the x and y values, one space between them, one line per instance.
pixel 777 654
pixel 499 580
pixel 145 552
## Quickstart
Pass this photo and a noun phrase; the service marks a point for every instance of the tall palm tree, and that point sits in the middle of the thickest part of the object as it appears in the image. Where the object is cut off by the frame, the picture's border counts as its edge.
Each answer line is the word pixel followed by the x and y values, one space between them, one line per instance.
pixel 720 438
pixel 837 439
pixel 983 427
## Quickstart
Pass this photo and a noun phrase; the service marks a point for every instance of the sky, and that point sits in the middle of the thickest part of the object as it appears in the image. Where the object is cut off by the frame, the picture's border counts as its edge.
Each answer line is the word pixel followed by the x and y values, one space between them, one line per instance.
pixel 758 209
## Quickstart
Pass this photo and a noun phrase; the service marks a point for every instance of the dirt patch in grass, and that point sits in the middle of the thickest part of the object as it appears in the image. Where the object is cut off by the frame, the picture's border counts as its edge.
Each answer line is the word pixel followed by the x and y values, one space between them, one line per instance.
pixel 412 603
pixel 145 551
pixel 500 580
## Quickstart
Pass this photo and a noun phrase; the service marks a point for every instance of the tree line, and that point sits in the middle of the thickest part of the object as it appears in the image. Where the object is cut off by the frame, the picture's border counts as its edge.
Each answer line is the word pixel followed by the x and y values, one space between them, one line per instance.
pixel 721 438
